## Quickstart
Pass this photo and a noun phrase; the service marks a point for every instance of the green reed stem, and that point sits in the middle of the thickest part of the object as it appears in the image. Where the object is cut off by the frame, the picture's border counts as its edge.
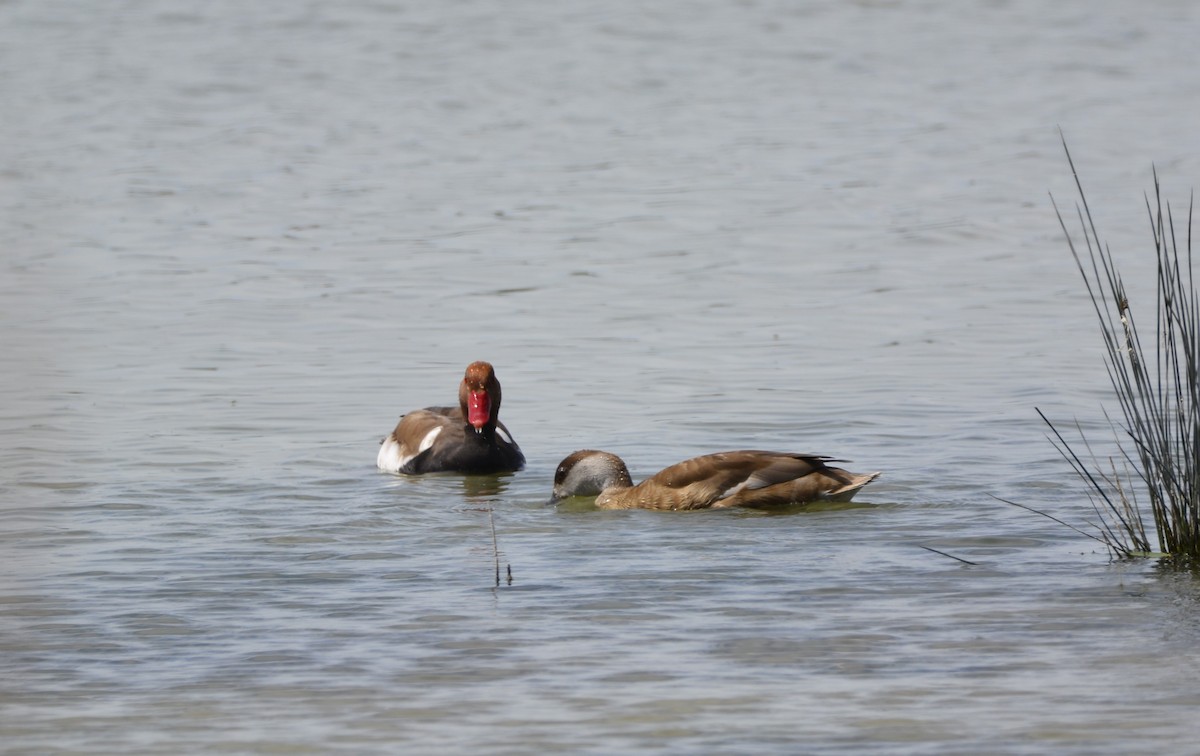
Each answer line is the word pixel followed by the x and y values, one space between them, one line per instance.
pixel 1158 433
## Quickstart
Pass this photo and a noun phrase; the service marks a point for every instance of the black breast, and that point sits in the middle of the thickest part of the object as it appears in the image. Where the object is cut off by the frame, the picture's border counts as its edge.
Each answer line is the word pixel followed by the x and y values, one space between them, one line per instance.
pixel 461 449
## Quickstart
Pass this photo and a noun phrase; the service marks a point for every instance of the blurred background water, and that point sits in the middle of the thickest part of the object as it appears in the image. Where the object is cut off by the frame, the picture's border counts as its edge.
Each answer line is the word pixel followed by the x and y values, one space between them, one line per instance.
pixel 240 239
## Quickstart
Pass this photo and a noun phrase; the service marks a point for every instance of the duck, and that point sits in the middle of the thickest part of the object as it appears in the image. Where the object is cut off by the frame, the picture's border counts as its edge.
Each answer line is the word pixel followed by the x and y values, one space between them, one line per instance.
pixel 467 439
pixel 747 478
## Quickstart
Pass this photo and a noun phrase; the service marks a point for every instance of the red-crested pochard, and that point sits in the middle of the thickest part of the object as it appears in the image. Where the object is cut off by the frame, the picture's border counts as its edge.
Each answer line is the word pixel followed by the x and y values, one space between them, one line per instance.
pixel 468 438
pixel 758 479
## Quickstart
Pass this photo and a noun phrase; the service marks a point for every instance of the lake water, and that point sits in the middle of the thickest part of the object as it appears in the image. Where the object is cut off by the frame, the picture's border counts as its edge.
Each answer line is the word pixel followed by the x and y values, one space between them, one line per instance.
pixel 240 239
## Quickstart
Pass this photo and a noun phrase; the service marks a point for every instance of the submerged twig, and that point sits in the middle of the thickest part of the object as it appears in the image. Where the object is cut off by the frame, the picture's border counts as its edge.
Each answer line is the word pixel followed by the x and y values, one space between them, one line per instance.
pixel 1050 517
pixel 495 545
pixel 957 559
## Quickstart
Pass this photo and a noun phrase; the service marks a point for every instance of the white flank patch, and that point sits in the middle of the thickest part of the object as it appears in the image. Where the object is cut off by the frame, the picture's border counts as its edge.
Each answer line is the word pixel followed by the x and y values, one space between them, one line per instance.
pixel 391 456
pixel 500 432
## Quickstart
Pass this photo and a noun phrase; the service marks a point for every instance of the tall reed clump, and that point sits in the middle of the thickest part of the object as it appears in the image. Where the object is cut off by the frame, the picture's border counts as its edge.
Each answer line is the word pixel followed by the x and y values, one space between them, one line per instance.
pixel 1157 385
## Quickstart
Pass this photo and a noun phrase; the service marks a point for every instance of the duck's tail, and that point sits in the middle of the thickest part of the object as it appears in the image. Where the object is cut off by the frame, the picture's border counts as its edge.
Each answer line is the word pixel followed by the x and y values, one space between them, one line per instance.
pixel 846 492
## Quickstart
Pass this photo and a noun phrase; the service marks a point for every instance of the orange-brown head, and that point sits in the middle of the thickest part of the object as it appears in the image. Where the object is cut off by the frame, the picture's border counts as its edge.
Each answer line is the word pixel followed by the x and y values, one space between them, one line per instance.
pixel 479 396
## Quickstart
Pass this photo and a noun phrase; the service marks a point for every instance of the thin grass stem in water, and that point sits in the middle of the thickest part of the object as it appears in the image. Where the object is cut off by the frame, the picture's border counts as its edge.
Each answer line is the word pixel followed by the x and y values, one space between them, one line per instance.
pixel 1157 389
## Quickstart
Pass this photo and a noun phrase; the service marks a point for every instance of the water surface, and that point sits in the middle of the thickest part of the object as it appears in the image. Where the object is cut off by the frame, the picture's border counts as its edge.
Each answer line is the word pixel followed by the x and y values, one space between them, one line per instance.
pixel 240 240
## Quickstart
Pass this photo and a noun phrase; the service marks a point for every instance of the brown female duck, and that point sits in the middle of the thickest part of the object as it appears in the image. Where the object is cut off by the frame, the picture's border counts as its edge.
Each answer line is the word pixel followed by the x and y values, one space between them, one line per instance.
pixel 468 438
pixel 757 479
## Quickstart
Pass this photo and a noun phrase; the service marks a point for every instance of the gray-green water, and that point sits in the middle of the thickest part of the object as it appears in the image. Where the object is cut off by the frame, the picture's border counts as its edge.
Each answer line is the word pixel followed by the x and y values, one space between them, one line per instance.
pixel 239 240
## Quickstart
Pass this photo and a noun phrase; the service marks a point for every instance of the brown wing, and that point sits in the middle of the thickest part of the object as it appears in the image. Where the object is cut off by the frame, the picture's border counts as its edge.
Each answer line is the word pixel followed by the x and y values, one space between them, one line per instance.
pixel 414 427
pixel 740 478
pixel 781 469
